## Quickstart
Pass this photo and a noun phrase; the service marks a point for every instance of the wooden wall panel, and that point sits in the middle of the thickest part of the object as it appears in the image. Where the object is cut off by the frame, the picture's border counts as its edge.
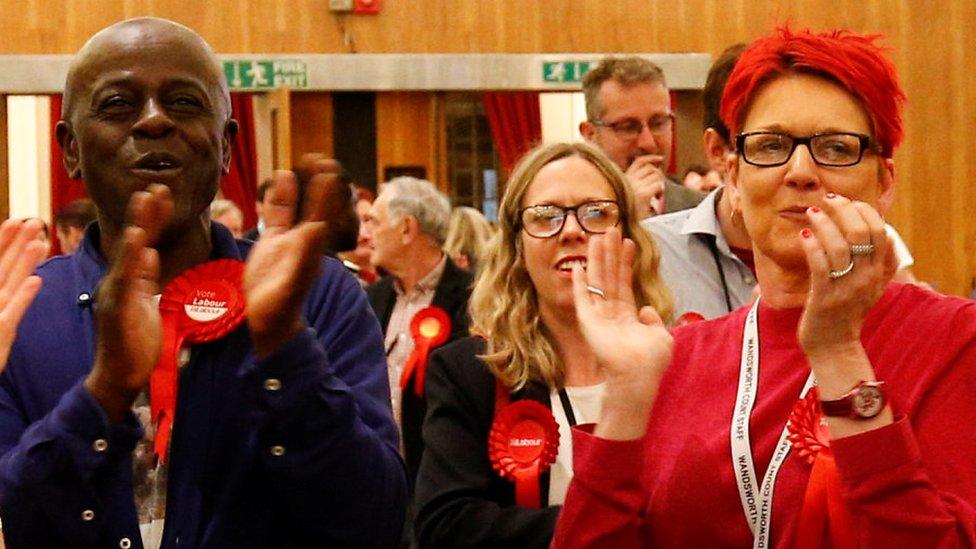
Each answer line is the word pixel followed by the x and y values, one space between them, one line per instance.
pixel 311 124
pixel 406 132
pixel 936 208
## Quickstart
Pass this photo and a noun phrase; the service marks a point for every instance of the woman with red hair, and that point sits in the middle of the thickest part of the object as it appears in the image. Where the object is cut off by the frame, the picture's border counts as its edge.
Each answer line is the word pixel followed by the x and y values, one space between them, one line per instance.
pixel 836 411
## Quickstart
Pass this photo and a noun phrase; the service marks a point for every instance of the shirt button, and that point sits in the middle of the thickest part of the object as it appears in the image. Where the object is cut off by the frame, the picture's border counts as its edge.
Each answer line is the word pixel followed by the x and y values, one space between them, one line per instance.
pixel 277 451
pixel 272 384
pixel 125 543
pixel 100 445
pixel 87 515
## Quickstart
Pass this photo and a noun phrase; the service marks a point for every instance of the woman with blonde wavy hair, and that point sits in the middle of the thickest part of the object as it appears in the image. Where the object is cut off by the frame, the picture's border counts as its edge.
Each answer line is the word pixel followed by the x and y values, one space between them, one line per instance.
pixel 526 357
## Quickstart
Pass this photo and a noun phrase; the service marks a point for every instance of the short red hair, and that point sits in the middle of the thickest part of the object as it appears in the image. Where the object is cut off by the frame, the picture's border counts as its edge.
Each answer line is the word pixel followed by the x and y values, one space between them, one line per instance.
pixel 851 60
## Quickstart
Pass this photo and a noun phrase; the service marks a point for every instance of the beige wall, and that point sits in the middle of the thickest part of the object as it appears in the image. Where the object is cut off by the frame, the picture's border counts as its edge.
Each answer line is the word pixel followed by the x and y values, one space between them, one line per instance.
pixel 936 208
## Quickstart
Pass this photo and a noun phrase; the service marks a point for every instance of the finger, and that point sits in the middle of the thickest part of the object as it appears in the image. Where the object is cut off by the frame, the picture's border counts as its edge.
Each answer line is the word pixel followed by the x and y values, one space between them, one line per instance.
pixel 19 235
pixel 879 235
pixel 649 317
pixel 625 270
pixel 25 264
pixel 581 296
pixel 595 262
pixel 887 252
pixel 20 300
pixel 851 223
pixel 830 238
pixel 817 260
pixel 655 160
pixel 611 259
pixel 322 197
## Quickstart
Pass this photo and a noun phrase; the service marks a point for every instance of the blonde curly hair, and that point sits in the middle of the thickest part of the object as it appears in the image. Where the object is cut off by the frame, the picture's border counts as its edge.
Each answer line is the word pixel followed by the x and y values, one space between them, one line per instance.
pixel 504 306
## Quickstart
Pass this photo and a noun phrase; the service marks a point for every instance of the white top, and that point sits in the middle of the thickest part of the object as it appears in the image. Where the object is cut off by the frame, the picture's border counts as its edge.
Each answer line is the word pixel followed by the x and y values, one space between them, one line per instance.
pixel 586 402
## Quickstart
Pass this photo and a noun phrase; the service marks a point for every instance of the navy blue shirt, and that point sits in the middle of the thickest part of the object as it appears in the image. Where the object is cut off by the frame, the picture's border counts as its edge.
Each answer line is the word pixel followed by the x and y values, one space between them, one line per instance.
pixel 312 463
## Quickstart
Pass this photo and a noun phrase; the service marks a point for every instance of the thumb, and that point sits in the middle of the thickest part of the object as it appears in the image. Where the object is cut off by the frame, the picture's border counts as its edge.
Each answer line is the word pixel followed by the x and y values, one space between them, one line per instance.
pixel 648 316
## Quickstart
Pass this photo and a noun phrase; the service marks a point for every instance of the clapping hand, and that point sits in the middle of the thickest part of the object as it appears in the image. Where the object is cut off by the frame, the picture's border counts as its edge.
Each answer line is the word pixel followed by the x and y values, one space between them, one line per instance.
pixel 632 347
pixel 127 317
pixel 20 252
pixel 282 268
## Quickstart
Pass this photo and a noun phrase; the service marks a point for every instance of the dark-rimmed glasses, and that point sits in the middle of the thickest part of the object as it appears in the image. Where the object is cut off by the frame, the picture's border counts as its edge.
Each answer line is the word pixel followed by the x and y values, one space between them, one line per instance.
pixel 546 220
pixel 834 149
pixel 630 128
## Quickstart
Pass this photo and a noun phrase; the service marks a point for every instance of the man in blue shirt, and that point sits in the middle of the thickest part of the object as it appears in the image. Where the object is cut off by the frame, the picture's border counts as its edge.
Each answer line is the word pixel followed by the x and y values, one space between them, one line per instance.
pixel 283 434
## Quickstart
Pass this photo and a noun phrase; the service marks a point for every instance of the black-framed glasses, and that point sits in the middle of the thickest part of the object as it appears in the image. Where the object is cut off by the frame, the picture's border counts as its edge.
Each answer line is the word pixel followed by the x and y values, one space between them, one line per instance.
pixel 546 220
pixel 835 149
pixel 630 128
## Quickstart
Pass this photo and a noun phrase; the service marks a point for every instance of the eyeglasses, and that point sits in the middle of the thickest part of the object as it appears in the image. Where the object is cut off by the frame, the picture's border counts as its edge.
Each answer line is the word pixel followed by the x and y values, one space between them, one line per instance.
pixel 546 220
pixel 836 149
pixel 630 128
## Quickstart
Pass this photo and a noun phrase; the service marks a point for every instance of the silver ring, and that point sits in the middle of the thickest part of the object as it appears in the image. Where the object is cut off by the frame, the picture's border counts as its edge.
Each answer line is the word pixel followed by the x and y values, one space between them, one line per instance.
pixel 834 275
pixel 596 291
pixel 862 249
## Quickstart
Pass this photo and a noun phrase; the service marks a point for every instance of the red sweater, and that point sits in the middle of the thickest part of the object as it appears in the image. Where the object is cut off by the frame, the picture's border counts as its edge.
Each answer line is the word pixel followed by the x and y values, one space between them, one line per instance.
pixel 909 484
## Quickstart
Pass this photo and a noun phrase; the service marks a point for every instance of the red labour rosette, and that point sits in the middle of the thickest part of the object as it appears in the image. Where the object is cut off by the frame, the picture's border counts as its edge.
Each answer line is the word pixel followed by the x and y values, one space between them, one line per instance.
pixel 823 504
pixel 522 444
pixel 430 328
pixel 203 304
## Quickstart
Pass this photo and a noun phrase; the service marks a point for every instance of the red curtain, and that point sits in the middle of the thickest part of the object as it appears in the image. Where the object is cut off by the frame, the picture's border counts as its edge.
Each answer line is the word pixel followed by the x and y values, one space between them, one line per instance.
pixel 240 184
pixel 516 124
pixel 63 188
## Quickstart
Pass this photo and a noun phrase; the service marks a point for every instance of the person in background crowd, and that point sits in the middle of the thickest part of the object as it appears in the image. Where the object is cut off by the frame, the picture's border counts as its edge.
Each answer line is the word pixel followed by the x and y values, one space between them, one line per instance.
pixel 277 204
pixel 360 255
pixel 70 223
pixel 468 237
pixel 406 229
pixel 628 110
pixel 527 348
pixel 701 178
pixel 227 213
pixel 284 436
pixel 836 410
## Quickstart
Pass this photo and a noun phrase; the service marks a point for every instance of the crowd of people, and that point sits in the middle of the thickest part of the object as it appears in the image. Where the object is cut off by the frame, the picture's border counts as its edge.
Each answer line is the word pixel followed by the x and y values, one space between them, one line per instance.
pixel 383 370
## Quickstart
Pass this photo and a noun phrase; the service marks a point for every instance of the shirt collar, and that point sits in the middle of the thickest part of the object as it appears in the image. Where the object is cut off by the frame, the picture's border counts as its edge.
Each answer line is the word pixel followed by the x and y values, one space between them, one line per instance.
pixel 703 218
pixel 429 282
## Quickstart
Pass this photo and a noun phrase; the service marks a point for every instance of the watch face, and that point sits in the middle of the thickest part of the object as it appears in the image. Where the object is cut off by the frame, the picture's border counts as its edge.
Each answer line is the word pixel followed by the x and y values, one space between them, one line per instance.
pixel 868 401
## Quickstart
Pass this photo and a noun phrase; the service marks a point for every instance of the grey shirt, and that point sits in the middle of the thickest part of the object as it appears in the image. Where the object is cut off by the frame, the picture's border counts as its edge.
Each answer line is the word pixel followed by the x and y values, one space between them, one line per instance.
pixel 688 265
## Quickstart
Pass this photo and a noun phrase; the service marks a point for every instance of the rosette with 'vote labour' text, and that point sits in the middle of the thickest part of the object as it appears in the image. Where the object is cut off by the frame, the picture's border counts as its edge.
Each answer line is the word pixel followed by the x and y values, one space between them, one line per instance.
pixel 522 444
pixel 430 328
pixel 823 505
pixel 202 304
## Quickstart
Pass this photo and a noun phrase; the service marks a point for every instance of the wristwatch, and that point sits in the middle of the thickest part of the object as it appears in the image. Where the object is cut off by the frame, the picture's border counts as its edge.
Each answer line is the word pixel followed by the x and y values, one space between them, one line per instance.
pixel 864 401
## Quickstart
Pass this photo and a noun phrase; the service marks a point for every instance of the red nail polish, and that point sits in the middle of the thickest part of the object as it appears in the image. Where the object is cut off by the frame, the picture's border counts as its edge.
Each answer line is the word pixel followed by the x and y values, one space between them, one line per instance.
pixel 814 209
pixel 831 195
pixel 806 233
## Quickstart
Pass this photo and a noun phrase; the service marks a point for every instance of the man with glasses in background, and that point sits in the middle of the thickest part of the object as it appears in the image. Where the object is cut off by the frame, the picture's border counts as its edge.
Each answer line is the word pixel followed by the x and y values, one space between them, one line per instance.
pixel 628 110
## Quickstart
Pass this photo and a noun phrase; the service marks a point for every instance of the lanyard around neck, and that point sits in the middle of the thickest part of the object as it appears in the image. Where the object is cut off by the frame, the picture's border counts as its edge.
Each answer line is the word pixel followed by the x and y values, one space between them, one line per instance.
pixel 757 501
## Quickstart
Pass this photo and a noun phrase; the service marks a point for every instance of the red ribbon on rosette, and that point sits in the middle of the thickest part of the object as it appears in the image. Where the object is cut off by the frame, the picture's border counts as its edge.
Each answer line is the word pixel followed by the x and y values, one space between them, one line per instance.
pixel 203 304
pixel 522 444
pixel 823 504
pixel 689 317
pixel 430 328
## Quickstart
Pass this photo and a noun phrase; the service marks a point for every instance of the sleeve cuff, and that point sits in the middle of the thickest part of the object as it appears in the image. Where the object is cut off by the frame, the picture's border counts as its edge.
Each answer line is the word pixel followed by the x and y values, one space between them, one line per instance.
pixel 606 461
pixel 876 451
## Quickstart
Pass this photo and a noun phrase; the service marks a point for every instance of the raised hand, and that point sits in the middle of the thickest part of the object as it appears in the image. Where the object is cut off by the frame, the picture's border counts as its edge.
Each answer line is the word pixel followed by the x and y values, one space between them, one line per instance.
pixel 283 267
pixel 836 306
pixel 632 347
pixel 127 316
pixel 647 181
pixel 20 252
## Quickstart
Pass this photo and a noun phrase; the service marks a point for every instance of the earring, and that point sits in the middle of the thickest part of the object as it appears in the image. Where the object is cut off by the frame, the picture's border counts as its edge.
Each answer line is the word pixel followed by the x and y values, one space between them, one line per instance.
pixel 735 212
